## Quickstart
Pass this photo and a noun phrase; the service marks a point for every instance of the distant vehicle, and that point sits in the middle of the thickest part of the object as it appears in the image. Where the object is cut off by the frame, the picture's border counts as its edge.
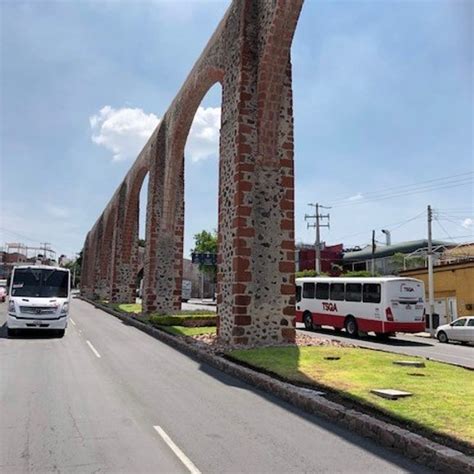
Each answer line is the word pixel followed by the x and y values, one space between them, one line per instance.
pixel 461 330
pixel 384 305
pixel 186 289
pixel 39 299
pixel 3 290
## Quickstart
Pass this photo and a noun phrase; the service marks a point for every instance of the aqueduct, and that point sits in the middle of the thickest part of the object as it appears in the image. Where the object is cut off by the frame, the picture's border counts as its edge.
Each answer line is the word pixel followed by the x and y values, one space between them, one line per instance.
pixel 249 54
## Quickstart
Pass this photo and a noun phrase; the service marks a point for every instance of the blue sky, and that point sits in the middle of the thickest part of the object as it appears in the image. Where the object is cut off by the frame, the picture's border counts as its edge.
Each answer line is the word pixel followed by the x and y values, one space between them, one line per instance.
pixel 383 99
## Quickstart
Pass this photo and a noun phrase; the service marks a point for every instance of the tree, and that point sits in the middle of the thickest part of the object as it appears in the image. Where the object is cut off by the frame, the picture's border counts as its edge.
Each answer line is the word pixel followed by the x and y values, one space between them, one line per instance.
pixel 398 262
pixel 206 242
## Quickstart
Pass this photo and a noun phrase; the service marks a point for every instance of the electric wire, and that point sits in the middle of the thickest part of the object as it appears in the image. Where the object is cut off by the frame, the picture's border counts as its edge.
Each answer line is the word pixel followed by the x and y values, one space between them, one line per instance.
pixel 403 188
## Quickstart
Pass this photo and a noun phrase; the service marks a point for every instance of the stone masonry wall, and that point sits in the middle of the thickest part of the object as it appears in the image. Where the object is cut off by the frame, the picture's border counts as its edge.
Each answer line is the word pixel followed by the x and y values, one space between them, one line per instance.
pixel 249 55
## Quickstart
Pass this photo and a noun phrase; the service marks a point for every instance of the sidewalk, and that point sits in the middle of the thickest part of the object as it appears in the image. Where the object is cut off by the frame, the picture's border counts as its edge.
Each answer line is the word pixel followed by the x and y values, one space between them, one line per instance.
pixel 204 302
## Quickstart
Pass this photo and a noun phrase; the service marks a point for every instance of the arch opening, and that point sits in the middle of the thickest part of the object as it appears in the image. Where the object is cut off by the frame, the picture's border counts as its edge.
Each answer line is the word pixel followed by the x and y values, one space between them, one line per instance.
pixel 201 178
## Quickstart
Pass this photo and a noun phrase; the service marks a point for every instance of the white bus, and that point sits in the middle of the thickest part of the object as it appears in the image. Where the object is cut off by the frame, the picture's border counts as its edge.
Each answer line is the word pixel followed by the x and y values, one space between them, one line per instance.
pixel 382 305
pixel 39 298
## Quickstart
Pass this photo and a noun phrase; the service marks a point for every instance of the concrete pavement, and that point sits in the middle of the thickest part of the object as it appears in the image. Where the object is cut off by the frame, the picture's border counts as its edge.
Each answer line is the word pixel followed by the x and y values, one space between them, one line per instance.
pixel 89 402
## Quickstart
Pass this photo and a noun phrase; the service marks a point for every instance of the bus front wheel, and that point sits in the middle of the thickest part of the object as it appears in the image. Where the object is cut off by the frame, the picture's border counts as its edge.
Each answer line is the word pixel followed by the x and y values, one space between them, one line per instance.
pixel 351 326
pixel 308 321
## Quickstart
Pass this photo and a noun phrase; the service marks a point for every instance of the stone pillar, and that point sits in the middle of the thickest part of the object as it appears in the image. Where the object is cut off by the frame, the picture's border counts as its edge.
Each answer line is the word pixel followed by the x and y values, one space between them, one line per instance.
pixel 158 271
pixel 86 284
pixel 256 215
pixel 121 277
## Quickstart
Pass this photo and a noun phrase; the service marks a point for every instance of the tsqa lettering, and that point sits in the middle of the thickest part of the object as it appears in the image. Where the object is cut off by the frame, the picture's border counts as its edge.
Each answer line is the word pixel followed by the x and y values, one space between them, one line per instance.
pixel 330 307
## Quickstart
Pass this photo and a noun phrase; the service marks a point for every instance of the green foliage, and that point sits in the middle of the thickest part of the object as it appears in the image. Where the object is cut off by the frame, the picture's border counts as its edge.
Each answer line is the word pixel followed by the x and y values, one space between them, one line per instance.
pixel 398 262
pixel 141 243
pixel 309 273
pixel 186 320
pixel 128 308
pixel 182 331
pixel 359 274
pixel 206 242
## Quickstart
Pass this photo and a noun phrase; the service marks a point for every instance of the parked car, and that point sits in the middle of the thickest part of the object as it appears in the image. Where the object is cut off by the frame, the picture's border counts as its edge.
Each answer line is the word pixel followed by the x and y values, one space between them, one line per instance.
pixel 3 294
pixel 461 330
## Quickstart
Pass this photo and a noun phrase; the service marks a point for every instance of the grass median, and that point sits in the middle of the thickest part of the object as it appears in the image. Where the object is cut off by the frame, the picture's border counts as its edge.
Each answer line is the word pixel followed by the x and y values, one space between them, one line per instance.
pixel 189 331
pixel 442 401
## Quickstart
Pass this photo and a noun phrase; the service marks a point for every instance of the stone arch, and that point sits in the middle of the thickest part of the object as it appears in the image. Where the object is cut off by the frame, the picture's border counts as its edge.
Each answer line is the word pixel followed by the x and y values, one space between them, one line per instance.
pixel 249 53
pixel 173 212
pixel 275 67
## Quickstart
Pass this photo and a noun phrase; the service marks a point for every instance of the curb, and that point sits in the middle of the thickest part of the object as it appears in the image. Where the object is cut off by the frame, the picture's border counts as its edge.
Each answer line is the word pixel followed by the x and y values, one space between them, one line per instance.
pixel 411 445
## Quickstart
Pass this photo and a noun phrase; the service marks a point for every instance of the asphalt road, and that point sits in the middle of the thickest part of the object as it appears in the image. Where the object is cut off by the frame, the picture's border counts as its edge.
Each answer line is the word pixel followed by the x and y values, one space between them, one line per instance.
pixel 405 344
pixel 90 402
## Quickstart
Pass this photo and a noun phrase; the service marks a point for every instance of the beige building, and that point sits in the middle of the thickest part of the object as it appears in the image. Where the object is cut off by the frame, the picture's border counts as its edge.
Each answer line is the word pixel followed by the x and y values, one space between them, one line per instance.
pixel 453 288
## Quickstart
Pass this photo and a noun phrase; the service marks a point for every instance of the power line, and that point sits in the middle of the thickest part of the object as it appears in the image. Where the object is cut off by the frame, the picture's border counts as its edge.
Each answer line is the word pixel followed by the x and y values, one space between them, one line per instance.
pixel 418 191
pixel 391 227
pixel 406 187
pixel 18 235
pixel 444 230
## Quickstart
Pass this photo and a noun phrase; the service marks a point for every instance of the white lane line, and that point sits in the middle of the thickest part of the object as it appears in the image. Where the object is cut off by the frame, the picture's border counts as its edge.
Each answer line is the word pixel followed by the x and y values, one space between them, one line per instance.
pixel 72 321
pixel 93 349
pixel 182 457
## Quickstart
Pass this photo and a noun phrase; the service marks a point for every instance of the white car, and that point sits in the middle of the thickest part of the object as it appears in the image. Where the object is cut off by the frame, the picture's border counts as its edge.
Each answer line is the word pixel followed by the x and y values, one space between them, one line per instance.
pixel 3 294
pixel 461 330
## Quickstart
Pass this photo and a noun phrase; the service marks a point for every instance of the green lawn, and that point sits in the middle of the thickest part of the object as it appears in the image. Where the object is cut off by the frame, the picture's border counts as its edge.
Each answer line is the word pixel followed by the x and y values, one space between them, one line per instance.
pixel 184 331
pixel 443 399
pixel 129 308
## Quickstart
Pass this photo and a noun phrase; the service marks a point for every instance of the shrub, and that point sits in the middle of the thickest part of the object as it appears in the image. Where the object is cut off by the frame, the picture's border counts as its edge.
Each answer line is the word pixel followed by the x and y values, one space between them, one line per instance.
pixel 205 319
pixel 309 273
pixel 359 274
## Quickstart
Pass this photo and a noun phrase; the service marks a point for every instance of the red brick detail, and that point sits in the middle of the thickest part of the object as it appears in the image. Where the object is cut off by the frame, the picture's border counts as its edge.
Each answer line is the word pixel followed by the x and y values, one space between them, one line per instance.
pixel 242 320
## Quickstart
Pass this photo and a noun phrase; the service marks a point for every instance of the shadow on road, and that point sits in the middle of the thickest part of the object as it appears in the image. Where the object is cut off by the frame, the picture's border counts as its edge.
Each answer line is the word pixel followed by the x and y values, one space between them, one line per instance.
pixel 28 333
pixel 323 424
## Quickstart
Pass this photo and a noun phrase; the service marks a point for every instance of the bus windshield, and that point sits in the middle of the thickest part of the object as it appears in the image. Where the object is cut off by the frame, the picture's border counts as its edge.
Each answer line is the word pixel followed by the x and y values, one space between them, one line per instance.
pixel 40 283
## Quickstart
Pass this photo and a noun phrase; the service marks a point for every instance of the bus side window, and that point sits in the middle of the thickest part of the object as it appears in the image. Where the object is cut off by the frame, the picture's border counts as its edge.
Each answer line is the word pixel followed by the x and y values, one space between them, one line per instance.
pixel 298 293
pixel 353 292
pixel 322 291
pixel 371 293
pixel 337 291
pixel 308 290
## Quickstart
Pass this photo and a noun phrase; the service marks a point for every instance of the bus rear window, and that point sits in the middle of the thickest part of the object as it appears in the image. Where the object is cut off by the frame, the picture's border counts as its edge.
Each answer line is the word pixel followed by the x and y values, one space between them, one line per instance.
pixel 371 293
pixel 308 290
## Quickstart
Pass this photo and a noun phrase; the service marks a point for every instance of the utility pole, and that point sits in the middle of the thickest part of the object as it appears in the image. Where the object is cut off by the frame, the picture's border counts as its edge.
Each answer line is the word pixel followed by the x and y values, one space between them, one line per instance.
pixel 46 249
pixel 373 254
pixel 317 245
pixel 430 271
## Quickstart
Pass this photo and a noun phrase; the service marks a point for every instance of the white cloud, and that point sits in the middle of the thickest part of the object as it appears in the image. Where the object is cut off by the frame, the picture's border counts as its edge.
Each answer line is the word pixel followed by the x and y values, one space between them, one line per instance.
pixel 203 140
pixel 125 131
pixel 356 197
pixel 467 223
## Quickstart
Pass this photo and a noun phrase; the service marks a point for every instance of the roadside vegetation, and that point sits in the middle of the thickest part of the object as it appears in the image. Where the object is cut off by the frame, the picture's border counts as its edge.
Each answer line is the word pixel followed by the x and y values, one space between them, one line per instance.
pixel 442 401
pixel 186 331
pixel 183 323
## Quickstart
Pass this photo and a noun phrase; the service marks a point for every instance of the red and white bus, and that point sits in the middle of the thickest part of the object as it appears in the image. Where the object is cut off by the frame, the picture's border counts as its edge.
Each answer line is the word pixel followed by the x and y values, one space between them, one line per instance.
pixel 382 305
